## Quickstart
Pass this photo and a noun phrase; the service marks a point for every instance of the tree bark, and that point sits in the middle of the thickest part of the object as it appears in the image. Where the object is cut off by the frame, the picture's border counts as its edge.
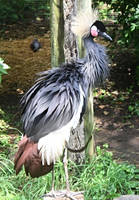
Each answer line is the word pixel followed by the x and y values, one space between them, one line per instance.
pixel 71 52
pixel 72 46
pixel 70 40
pixel 89 126
pixel 57 33
pixel 89 116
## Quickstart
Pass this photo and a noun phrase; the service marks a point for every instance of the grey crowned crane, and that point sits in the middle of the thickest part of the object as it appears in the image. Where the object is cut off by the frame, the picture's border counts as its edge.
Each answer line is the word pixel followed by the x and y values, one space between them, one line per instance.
pixel 56 102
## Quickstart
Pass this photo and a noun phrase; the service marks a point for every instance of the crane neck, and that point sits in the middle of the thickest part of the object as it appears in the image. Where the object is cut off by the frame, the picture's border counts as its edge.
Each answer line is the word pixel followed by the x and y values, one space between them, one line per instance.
pixel 91 46
pixel 89 43
pixel 95 68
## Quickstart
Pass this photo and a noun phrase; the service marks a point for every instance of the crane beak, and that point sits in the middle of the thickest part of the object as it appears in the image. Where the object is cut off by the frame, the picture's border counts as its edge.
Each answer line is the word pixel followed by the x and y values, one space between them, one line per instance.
pixel 105 35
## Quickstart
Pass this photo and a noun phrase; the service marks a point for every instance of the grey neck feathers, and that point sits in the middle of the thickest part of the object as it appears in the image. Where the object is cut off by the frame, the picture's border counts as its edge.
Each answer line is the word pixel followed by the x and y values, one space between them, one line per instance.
pixel 95 69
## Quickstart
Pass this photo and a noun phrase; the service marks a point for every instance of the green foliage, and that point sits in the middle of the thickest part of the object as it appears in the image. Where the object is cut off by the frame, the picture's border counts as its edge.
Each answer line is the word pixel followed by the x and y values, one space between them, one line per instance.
pixel 137 75
pixel 105 179
pixel 3 68
pixel 101 179
pixel 25 188
pixel 134 108
pixel 12 11
pixel 4 140
pixel 126 15
pixel 6 119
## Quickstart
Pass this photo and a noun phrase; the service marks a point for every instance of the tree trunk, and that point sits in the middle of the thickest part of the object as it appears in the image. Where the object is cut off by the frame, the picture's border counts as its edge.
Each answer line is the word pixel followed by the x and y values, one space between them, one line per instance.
pixel 70 40
pixel 71 53
pixel 62 29
pixel 89 116
pixel 57 33
pixel 89 126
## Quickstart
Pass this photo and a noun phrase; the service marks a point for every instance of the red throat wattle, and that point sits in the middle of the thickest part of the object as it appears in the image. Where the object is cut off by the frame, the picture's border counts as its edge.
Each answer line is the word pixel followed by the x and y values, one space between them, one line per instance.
pixel 94 33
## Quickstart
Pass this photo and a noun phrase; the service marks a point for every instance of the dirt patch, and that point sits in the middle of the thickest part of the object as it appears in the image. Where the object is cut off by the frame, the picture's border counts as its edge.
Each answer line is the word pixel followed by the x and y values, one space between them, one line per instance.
pixel 122 137
pixel 117 127
pixel 24 63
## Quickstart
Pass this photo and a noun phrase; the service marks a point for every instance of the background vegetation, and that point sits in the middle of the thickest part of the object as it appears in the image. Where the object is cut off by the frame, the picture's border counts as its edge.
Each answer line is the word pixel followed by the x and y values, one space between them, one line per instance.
pixel 15 11
pixel 3 68
pixel 126 15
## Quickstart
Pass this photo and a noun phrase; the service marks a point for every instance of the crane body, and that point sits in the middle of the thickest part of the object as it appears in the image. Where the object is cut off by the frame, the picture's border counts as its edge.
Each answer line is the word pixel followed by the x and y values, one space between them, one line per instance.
pixel 57 102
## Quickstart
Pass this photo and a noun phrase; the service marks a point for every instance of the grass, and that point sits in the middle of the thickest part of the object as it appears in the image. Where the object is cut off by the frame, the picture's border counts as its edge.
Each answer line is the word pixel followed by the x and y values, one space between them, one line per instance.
pixel 102 178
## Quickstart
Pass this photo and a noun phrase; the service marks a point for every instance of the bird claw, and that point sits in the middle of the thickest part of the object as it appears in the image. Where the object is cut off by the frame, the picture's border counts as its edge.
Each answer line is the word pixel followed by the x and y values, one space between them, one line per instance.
pixel 70 196
pixel 52 194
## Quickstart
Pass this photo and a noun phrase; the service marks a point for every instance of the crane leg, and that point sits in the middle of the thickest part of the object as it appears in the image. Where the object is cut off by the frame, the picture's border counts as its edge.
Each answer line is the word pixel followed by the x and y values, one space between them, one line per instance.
pixel 68 193
pixel 65 161
pixel 62 193
pixel 53 181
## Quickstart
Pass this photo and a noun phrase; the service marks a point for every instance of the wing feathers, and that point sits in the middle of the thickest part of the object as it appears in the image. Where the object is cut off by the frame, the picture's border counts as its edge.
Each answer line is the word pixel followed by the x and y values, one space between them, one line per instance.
pixel 51 102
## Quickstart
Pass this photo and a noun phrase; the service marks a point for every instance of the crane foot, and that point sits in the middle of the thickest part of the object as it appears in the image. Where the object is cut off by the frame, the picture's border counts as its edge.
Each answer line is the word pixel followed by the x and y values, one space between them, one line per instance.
pixel 69 195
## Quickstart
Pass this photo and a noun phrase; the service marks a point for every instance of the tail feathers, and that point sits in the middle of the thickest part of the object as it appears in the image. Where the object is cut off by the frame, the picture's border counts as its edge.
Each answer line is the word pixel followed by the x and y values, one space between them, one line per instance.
pixel 28 155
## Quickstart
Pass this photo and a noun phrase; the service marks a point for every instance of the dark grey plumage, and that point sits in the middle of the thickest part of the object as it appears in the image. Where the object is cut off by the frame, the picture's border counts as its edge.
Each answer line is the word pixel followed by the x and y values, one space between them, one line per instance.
pixel 35 45
pixel 52 101
pixel 95 67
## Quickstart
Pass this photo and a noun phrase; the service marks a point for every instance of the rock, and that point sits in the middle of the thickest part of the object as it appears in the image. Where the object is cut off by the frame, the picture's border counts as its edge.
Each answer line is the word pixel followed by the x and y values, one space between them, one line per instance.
pixel 127 197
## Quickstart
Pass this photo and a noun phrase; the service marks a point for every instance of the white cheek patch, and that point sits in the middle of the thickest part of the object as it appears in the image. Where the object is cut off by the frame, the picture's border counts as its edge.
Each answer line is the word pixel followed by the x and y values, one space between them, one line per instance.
pixel 94 31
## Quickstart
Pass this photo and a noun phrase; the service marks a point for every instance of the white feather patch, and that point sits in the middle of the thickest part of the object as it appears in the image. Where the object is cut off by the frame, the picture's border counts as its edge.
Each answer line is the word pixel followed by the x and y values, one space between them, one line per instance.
pixel 82 22
pixel 52 145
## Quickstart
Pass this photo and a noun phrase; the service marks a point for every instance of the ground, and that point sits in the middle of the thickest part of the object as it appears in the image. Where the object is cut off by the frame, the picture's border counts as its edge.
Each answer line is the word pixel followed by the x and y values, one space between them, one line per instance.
pixel 115 125
pixel 115 129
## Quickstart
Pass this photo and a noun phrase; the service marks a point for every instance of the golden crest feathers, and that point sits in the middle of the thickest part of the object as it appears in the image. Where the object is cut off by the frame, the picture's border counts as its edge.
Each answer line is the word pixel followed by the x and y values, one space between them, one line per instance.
pixel 82 22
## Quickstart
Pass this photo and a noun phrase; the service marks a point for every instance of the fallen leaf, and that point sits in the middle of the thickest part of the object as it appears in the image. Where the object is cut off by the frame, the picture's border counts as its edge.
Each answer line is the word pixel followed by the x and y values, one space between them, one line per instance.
pixel 106 112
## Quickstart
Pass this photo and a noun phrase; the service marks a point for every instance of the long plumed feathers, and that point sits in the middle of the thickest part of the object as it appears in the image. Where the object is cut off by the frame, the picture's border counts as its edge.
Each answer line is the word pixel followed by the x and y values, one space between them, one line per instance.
pixel 82 22
pixel 51 103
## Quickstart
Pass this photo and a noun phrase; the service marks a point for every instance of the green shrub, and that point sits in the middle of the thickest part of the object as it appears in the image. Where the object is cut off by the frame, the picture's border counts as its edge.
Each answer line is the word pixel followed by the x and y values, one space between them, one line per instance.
pixel 13 11
pixel 3 68
pixel 105 179
pixel 134 108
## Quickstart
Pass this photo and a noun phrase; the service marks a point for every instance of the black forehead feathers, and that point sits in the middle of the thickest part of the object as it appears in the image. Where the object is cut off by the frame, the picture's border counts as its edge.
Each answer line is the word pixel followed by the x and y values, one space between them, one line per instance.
pixel 100 26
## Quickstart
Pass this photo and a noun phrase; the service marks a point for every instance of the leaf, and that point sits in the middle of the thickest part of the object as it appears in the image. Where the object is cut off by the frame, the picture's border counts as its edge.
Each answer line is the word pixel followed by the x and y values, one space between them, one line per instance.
pixel 133 26
pixel 106 112
pixel 3 71
pixel 130 108
pixel 101 106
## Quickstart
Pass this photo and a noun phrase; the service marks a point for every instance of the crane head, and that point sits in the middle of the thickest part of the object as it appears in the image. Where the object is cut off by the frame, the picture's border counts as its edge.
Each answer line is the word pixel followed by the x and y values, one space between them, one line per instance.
pixel 86 23
pixel 98 29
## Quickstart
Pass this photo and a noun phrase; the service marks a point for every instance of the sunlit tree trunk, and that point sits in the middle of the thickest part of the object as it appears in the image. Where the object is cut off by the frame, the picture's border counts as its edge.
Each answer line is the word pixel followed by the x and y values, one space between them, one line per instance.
pixel 89 116
pixel 57 33
pixel 70 40
pixel 71 52
pixel 71 47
